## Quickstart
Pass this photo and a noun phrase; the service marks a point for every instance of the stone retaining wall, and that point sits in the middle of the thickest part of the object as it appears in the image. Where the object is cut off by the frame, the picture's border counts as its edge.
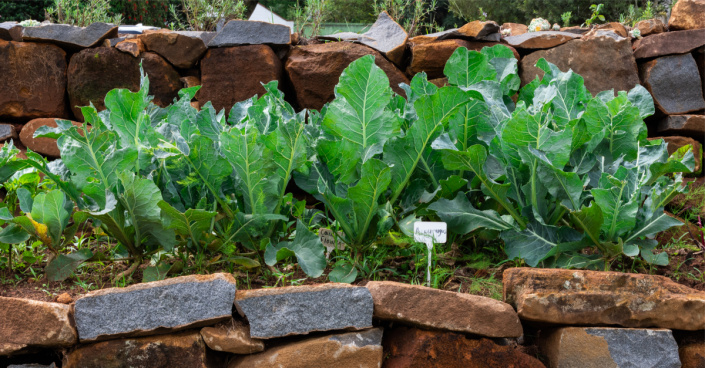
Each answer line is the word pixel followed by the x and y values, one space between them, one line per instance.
pixel 48 71
pixel 567 318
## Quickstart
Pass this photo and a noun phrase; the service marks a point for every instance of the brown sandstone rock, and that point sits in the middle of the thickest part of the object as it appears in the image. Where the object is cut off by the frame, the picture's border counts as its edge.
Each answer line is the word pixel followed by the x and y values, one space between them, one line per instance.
pixel 64 298
pixel 445 310
pixel 603 62
pixel 516 29
pixel 688 125
pixel 414 348
pixel 692 355
pixel 94 72
pixel 234 74
pixel 431 57
pixel 132 46
pixel 28 324
pixel 540 40
pixel 314 70
pixel 576 297
pixel 603 347
pixel 479 29
pixel 676 142
pixel 181 49
pixel 11 31
pixel 350 350
pixel 232 336
pixel 33 82
pixel 669 43
pixel 44 146
pixel 615 27
pixel 185 349
pixel 575 29
pixel 674 82
pixel 650 27
pixel 687 14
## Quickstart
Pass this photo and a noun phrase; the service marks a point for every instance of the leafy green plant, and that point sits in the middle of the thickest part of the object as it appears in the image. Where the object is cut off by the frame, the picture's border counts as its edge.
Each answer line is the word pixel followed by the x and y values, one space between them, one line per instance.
pixel 203 15
pixel 82 13
pixel 311 16
pixel 565 17
pixel 596 14
pixel 413 15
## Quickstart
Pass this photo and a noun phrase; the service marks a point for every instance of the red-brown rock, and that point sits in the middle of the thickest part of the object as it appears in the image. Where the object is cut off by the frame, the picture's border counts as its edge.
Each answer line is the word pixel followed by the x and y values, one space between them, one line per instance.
pixel 94 72
pixel 431 57
pixel 592 298
pixel 44 146
pixel 314 70
pixel 185 349
pixel 687 125
pixel 540 40
pixel 479 29
pixel 692 355
pixel 33 80
pixel 650 27
pixel 687 14
pixel 414 348
pixel 181 49
pixel 615 27
pixel 29 324
pixel 515 29
pixel 603 62
pixel 132 46
pixel 232 336
pixel 233 74
pixel 669 43
pixel 445 310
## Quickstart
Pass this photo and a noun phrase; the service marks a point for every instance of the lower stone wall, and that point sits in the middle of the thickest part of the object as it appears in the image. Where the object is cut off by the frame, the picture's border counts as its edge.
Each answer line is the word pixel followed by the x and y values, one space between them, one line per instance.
pixel 554 318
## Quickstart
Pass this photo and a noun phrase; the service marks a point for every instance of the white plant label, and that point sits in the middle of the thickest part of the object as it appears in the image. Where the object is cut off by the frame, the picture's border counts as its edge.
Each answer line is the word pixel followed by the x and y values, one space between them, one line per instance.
pixel 429 233
pixel 329 241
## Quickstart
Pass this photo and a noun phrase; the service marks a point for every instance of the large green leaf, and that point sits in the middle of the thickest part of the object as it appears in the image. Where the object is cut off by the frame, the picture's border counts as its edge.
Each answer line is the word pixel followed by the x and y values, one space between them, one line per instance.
pixel 190 224
pixel 462 218
pixel 465 68
pixel 618 208
pixel 63 265
pixel 49 208
pixel 306 246
pixel 589 220
pixel 659 221
pixel 13 234
pixel 533 244
pixel 619 122
pixel 365 194
pixel 358 121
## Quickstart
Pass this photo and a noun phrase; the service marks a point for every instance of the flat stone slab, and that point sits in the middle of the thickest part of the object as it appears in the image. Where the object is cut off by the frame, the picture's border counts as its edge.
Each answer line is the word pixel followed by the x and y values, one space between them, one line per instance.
pixel 30 324
pixel 247 32
pixel 540 40
pixel 355 349
pixel 385 36
pixel 669 43
pixel 474 31
pixel 675 84
pixel 688 125
pixel 184 349
pixel 444 310
pixel 10 31
pixel 610 347
pixel 70 36
pixel 577 297
pixel 155 307
pixel 232 336
pixel 298 310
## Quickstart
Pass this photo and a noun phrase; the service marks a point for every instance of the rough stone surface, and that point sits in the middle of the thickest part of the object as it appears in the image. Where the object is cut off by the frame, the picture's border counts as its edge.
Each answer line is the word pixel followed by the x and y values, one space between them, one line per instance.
pixel 181 49
pixel 94 72
pixel 71 37
pixel 445 310
pixel 413 348
pixel 692 355
pixel 64 298
pixel 350 350
pixel 7 132
pixel 132 46
pixel 247 32
pixel 575 29
pixel 515 29
pixel 575 297
pixel 10 31
pixel 29 324
pixel 185 349
pixel 33 82
pixel 234 74
pixel 669 43
pixel 676 142
pixel 314 70
pixel 650 26
pixel 615 27
pixel 602 33
pixel 674 83
pixel 479 29
pixel 385 36
pixel 603 62
pixel 687 14
pixel 232 336
pixel 44 146
pixel 540 40
pixel 688 125
pixel 600 347
pixel 299 310
pixel 431 57
pixel 155 307
pixel 699 55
